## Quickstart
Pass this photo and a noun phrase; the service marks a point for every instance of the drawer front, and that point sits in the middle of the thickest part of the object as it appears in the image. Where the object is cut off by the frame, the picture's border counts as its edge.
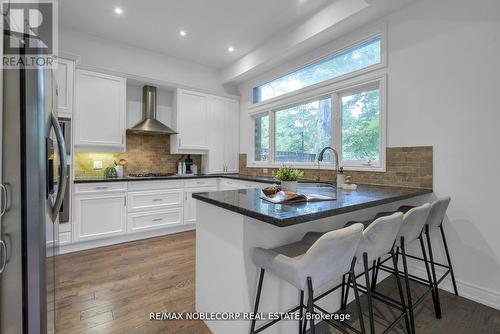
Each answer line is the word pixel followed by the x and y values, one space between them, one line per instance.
pixel 82 188
pixel 64 238
pixel 152 200
pixel 154 185
pixel 154 220
pixel 200 183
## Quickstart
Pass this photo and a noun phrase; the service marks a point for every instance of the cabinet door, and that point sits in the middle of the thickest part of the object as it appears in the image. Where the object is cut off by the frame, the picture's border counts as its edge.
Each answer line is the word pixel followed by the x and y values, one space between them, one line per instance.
pixel 100 111
pixel 65 76
pixel 231 136
pixel 216 135
pixel 99 216
pixel 192 116
pixel 190 203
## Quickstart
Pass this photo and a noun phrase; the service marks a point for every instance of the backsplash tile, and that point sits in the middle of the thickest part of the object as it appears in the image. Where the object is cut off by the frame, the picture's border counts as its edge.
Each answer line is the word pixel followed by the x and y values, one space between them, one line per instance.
pixel 146 153
pixel 406 167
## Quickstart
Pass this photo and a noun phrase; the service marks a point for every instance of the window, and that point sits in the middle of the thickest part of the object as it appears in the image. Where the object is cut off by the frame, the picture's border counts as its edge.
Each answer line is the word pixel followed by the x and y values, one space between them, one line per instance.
pixel 302 131
pixel 262 138
pixel 361 126
pixel 359 57
pixel 349 120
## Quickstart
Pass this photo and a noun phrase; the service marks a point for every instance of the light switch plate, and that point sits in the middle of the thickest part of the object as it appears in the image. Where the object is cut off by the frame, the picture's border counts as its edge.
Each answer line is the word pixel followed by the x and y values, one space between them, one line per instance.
pixel 97 164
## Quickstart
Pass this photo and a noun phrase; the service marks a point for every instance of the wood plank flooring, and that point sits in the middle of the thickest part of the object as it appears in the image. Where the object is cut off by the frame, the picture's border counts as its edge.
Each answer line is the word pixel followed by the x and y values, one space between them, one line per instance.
pixel 113 289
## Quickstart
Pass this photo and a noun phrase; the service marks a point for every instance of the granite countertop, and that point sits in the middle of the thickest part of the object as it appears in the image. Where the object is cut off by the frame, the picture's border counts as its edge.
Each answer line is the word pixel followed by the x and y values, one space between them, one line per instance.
pixel 248 202
pixel 177 177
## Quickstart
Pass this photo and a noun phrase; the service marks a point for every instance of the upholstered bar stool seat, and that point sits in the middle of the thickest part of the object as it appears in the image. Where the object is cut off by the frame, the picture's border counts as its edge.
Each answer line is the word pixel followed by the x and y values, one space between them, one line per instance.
pixel 315 260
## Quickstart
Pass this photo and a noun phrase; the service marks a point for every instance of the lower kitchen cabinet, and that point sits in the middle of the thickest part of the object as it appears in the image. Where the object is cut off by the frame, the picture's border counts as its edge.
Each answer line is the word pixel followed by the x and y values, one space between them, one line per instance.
pixel 140 221
pixel 99 215
pixel 190 203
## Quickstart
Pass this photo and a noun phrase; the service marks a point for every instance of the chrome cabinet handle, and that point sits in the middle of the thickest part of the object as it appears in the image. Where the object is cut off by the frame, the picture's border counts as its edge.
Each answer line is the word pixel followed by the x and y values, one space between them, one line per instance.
pixel 3 262
pixel 157 199
pixel 101 188
pixel 63 178
pixel 157 219
pixel 3 205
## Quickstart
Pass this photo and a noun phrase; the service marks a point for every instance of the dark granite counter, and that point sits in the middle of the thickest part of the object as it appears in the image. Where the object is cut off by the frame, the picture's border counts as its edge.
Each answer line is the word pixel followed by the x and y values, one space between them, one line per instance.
pixel 176 177
pixel 248 202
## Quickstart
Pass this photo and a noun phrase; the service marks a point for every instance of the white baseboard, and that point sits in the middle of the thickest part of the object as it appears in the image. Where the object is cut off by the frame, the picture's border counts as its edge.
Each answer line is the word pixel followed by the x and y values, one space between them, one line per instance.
pixel 84 245
pixel 465 289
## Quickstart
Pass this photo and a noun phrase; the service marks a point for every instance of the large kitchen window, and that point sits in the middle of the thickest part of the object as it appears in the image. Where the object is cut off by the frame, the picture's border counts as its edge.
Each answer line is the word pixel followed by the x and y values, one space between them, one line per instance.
pixel 350 120
pixel 361 56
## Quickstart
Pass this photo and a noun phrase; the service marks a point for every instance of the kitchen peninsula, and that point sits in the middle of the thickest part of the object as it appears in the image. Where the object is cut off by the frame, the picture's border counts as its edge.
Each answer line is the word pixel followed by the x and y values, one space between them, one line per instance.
pixel 231 223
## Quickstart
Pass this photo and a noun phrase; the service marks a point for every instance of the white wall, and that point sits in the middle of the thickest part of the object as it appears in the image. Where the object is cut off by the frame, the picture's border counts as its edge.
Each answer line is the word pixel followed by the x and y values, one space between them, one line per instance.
pixel 135 62
pixel 443 81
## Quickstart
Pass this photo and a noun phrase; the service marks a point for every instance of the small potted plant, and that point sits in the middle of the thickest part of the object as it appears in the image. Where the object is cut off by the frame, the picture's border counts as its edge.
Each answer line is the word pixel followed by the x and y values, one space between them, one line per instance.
pixel 288 177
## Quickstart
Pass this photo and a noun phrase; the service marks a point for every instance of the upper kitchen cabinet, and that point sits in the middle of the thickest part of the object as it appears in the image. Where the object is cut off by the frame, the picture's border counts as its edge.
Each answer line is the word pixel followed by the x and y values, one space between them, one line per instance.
pixel 190 121
pixel 223 136
pixel 65 78
pixel 100 112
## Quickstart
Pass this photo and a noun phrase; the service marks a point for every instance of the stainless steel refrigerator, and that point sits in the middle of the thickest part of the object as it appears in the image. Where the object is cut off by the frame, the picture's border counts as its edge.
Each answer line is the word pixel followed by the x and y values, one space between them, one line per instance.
pixel 34 176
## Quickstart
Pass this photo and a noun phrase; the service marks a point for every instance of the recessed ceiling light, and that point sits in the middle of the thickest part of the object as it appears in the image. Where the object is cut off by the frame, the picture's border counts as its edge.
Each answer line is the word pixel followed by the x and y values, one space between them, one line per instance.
pixel 182 33
pixel 118 11
pixel 230 49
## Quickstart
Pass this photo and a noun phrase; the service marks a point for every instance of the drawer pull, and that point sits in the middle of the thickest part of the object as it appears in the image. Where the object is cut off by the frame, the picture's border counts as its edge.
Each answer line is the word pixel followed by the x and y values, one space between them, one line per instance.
pixel 157 219
pixel 157 199
pixel 101 188
pixel 200 182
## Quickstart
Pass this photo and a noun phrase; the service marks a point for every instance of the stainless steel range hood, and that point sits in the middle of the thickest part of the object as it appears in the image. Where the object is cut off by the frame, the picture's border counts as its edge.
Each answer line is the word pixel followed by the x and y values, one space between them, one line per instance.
pixel 149 123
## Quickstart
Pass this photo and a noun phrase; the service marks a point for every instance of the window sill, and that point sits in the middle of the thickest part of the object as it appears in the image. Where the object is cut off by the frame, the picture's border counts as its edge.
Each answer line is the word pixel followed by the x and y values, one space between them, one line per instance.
pixel 314 166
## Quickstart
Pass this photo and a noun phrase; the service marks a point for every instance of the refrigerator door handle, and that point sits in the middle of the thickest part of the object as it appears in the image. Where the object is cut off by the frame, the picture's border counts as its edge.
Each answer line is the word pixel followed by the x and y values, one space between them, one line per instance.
pixel 3 200
pixel 3 249
pixel 63 177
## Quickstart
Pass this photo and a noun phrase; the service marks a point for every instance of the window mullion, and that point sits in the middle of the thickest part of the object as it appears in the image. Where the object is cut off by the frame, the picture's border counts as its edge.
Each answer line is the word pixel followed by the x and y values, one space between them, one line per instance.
pixel 272 136
pixel 337 124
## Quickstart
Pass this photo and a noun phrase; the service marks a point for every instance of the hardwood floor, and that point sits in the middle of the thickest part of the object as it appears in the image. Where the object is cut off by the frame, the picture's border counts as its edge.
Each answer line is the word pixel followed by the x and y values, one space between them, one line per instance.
pixel 113 289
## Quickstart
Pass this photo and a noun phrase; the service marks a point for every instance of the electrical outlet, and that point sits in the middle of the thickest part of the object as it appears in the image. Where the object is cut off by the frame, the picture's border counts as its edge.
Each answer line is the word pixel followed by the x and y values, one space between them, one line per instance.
pixel 97 164
pixel 264 170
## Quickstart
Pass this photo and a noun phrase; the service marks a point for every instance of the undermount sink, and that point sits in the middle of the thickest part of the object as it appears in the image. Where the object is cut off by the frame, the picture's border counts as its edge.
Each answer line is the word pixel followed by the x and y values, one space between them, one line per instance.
pixel 315 185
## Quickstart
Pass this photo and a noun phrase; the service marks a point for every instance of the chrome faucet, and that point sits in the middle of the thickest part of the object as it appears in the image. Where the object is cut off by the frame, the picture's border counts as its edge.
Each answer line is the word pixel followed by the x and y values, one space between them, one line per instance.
pixel 320 158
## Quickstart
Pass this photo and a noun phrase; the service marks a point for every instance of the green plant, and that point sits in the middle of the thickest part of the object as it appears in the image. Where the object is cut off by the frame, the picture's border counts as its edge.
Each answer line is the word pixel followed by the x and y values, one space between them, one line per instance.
pixel 286 173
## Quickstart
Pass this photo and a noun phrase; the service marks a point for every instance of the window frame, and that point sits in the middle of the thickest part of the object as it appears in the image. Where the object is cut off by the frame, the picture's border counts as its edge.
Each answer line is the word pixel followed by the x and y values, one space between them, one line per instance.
pixel 335 91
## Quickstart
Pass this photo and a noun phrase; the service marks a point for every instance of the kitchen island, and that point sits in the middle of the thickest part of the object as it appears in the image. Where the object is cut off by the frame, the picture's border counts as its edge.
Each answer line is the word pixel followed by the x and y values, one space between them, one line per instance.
pixel 232 223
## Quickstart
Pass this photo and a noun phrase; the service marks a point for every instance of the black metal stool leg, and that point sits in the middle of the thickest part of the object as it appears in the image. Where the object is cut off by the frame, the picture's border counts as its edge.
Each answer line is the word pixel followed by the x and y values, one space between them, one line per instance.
pixel 352 278
pixel 407 283
pixel 429 278
pixel 345 295
pixel 342 293
pixel 257 300
pixel 400 290
pixel 369 293
pixel 433 269
pixel 301 310
pixel 310 304
pixel 449 260
pixel 374 275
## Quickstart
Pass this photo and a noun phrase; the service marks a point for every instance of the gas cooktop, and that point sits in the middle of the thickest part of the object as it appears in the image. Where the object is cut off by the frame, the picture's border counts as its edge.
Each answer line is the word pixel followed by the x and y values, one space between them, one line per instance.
pixel 149 175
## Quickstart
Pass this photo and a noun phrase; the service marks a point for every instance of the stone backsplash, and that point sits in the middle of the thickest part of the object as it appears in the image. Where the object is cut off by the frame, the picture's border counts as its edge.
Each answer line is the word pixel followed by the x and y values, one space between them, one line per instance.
pixel 405 167
pixel 146 153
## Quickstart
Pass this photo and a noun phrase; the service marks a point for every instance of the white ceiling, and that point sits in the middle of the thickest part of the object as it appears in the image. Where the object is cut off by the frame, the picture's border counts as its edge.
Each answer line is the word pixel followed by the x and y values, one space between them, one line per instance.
pixel 211 25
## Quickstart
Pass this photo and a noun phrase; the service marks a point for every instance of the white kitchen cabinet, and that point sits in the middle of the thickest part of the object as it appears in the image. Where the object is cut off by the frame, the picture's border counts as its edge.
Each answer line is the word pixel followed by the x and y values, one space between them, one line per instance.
pixel 190 203
pixel 148 220
pixel 231 136
pixel 99 215
pixel 190 121
pixel 65 78
pixel 153 200
pixel 223 136
pixel 100 112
